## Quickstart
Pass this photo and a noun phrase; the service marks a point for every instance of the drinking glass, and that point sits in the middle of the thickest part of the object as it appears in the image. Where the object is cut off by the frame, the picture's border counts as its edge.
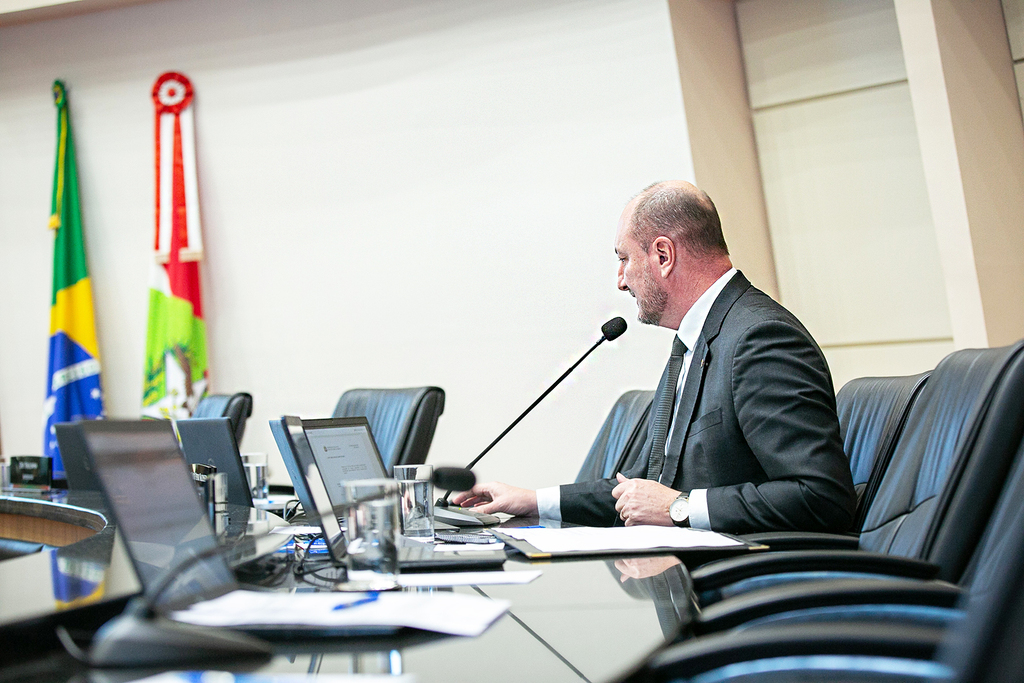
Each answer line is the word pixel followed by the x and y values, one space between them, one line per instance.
pixel 417 494
pixel 372 523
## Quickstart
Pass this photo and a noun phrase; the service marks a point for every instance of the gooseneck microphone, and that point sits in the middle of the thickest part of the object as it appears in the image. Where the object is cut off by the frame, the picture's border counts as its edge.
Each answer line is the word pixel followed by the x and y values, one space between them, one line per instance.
pixel 612 329
pixel 453 478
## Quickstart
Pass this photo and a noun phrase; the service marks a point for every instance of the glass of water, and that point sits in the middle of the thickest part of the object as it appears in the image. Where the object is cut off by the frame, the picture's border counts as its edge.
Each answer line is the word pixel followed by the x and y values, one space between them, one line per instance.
pixel 417 494
pixel 372 519
pixel 256 474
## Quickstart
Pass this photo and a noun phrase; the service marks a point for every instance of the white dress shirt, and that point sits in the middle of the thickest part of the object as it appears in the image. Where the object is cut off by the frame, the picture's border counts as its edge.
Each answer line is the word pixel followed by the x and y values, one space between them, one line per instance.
pixel 548 500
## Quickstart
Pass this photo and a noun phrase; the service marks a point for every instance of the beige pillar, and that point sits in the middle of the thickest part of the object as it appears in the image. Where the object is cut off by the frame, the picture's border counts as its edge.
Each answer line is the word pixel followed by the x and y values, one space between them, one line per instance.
pixel 972 143
pixel 722 132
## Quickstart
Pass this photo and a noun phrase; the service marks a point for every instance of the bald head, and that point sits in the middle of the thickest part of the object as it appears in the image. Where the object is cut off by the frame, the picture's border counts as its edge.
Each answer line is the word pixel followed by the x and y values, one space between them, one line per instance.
pixel 680 211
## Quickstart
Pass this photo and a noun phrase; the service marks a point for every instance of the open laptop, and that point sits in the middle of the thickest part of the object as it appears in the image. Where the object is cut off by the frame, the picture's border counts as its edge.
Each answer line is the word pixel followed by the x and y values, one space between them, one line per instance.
pixel 165 526
pixel 326 453
pixel 77 466
pixel 211 441
pixel 152 497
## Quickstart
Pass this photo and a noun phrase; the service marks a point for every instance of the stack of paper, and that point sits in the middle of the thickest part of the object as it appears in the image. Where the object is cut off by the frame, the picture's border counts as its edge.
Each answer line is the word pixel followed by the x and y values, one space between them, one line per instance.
pixel 590 539
pixel 454 613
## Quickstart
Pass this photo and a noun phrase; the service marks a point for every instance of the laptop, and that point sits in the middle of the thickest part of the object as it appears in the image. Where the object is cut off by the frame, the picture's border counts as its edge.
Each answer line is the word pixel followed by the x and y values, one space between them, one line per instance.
pixel 211 441
pixel 151 494
pixel 325 454
pixel 77 466
pixel 165 526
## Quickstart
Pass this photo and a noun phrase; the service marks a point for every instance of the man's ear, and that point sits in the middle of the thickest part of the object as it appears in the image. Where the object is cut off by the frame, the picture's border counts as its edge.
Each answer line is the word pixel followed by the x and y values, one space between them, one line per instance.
pixel 664 253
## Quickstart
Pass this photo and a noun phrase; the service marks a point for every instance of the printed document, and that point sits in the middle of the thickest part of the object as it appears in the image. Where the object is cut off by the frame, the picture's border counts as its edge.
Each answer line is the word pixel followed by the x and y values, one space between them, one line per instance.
pixel 595 539
pixel 454 613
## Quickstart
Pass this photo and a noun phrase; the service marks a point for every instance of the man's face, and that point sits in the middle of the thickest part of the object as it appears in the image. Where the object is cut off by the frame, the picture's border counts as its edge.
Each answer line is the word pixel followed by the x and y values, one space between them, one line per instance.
pixel 636 275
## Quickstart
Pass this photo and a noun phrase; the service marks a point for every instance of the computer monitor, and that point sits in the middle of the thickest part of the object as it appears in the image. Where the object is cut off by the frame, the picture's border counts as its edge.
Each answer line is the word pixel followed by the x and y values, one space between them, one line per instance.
pixel 156 507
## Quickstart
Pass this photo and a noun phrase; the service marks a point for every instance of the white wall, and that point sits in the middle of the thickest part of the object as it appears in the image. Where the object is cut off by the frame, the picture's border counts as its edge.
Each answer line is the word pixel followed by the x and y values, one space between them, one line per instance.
pixel 394 194
pixel 848 212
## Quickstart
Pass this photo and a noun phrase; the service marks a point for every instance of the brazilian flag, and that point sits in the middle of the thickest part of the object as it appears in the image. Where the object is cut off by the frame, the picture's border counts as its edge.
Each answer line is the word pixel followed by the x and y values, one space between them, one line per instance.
pixel 73 387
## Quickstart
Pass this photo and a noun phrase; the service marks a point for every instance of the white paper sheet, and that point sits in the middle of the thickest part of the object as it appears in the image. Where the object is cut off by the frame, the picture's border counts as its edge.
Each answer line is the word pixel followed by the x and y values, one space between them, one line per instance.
pixel 454 613
pixel 225 677
pixel 467 578
pixel 592 539
pixel 297 530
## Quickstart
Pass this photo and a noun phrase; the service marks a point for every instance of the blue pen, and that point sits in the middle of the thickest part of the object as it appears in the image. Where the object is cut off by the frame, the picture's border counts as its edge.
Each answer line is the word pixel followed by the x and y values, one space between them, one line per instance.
pixel 370 597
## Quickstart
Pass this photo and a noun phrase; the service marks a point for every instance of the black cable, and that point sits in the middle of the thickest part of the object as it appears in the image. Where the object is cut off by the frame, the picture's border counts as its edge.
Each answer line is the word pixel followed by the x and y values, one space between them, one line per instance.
pixel 294 505
pixel 146 606
pixel 70 646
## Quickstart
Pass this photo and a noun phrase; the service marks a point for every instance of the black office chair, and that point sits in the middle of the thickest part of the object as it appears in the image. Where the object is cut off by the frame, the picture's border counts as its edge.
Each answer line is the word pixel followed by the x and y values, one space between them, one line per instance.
pixel 236 407
pixel 978 638
pixel 621 438
pixel 872 412
pixel 402 421
pixel 933 502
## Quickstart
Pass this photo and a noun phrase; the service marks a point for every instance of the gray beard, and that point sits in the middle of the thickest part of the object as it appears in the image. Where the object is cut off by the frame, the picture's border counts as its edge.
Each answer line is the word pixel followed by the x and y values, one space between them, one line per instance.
pixel 652 307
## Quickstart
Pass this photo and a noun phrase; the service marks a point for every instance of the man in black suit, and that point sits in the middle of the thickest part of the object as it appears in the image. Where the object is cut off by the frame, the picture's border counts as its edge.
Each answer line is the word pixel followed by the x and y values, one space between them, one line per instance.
pixel 744 435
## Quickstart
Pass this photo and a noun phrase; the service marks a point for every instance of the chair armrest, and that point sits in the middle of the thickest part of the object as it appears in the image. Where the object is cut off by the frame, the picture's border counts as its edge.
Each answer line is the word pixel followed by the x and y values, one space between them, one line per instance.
pixel 693 657
pixel 804 540
pixel 817 594
pixel 720 573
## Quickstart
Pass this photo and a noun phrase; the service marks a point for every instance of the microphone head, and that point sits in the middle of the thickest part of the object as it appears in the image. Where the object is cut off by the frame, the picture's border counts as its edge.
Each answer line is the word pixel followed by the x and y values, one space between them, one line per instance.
pixel 613 329
pixel 454 478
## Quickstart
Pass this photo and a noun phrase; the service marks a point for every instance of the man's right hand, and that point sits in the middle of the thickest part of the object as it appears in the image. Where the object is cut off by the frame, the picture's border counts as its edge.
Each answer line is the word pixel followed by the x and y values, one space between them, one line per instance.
pixel 497 497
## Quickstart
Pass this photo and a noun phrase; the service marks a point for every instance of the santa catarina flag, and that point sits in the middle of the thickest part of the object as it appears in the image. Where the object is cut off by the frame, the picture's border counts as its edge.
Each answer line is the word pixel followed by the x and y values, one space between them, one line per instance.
pixel 73 389
pixel 175 374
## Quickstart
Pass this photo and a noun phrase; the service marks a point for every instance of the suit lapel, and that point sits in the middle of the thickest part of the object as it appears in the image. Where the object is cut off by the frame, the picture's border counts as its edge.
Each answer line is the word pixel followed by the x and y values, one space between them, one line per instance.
pixel 694 381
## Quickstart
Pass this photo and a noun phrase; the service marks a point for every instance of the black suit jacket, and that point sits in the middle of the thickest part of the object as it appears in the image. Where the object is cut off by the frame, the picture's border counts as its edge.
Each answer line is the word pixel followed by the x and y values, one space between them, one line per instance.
pixel 756 425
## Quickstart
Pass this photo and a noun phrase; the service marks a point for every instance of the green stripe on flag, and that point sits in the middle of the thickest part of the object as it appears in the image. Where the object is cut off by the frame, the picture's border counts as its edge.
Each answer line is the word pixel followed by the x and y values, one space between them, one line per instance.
pixel 69 252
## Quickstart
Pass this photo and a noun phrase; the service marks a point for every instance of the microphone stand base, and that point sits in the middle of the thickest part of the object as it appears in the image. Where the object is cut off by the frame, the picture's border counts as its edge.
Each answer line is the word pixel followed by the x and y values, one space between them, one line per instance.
pixel 463 517
pixel 137 641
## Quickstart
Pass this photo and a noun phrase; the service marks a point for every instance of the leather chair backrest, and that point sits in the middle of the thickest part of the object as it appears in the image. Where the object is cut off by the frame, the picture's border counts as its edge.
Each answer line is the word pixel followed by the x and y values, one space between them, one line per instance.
pixel 985 647
pixel 236 407
pixel 402 421
pixel 872 412
pixel 968 501
pixel 940 430
pixel 996 544
pixel 621 437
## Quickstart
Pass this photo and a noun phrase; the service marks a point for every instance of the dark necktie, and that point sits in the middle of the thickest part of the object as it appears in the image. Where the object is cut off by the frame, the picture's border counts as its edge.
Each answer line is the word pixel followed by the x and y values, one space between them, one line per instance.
pixel 663 411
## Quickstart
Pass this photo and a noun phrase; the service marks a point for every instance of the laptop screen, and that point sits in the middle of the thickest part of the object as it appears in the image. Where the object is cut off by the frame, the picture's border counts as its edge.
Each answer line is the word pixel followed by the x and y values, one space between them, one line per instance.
pixel 211 441
pixel 154 501
pixel 76 460
pixel 306 467
pixel 344 450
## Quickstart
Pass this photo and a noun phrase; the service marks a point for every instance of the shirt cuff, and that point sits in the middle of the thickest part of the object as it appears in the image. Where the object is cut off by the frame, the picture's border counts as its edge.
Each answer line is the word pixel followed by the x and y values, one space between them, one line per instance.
pixel 549 503
pixel 699 517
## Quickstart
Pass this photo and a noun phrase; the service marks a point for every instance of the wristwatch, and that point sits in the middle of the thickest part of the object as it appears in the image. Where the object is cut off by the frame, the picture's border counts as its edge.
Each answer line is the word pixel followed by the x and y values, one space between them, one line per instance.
pixel 679 510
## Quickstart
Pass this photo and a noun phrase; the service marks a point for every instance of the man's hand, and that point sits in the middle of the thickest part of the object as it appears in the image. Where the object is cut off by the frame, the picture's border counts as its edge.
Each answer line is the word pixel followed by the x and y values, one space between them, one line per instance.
pixel 643 567
pixel 641 501
pixel 497 497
